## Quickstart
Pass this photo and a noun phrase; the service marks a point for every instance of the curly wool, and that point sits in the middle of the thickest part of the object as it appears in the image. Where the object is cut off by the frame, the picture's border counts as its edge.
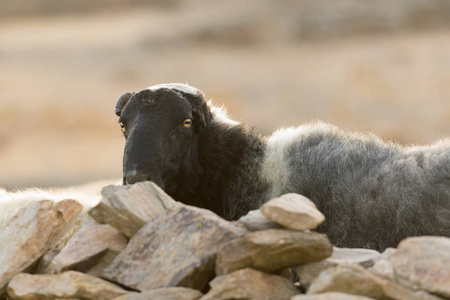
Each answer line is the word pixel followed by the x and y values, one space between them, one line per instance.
pixel 373 193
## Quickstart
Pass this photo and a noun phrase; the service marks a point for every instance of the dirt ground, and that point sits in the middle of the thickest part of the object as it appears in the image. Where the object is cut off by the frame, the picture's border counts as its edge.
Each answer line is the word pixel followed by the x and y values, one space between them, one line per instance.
pixel 61 75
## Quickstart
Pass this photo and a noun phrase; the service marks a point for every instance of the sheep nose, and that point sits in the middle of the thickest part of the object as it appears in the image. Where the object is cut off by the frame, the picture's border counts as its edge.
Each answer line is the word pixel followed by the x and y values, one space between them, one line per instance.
pixel 133 177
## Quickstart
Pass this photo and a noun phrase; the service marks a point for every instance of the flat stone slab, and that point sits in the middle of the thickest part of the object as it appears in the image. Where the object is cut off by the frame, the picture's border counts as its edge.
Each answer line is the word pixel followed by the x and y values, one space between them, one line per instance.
pixel 250 284
pixel 272 250
pixel 70 284
pixel 293 211
pixel 127 208
pixel 354 279
pixel 424 262
pixel 88 247
pixel 330 296
pixel 177 249
pixel 32 231
pixel 254 220
pixel 363 257
pixel 172 293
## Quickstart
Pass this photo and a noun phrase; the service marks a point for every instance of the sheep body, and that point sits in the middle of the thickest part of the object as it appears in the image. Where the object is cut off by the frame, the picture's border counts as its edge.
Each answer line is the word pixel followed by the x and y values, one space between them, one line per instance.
pixel 373 193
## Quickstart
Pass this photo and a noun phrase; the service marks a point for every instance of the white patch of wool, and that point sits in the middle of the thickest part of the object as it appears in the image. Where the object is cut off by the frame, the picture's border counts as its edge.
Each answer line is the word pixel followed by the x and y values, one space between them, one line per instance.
pixel 220 114
pixel 87 195
pixel 175 86
pixel 275 169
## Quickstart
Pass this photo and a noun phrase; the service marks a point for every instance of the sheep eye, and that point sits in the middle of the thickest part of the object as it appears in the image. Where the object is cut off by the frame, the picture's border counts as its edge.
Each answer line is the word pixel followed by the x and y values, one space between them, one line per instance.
pixel 122 126
pixel 187 123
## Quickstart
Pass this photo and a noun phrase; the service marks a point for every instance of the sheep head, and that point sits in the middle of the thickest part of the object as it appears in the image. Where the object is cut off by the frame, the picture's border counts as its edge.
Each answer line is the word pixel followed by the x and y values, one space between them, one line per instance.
pixel 162 126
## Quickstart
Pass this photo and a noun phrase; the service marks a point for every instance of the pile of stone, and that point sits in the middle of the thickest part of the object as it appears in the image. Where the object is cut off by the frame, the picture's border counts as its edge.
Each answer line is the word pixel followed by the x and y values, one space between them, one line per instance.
pixel 141 244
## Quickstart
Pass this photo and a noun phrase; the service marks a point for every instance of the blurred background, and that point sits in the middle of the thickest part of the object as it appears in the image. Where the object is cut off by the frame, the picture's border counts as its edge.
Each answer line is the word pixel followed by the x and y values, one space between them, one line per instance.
pixel 377 66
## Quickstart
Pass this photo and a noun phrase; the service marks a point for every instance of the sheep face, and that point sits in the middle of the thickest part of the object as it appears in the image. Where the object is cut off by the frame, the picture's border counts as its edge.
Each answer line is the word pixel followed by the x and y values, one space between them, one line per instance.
pixel 161 127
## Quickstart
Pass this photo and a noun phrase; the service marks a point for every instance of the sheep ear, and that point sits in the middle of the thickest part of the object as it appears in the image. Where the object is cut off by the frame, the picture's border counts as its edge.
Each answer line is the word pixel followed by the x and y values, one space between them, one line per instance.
pixel 121 102
pixel 199 120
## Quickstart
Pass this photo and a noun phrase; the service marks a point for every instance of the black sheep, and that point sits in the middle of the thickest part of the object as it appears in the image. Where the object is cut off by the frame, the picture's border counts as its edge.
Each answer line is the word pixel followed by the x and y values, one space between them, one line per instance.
pixel 372 193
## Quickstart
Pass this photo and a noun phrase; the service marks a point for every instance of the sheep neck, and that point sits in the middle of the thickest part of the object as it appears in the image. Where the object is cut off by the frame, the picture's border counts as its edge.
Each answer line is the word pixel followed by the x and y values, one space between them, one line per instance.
pixel 230 159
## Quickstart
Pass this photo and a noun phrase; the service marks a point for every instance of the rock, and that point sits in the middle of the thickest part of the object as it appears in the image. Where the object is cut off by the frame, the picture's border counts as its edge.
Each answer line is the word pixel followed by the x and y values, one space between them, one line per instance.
pixel 177 249
pixel 424 262
pixel 250 284
pixel 330 296
pixel 70 284
pixel 75 217
pixel 103 263
pixel 363 257
pixel 255 221
pixel 271 250
pixel 395 291
pixel 293 211
pixel 173 293
pixel 383 266
pixel 44 262
pixel 88 247
pixel 354 279
pixel 388 253
pixel 127 208
pixel 32 231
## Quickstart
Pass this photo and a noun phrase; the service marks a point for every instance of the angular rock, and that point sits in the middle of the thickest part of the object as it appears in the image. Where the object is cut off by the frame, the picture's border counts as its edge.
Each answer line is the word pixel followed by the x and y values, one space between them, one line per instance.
pixel 293 211
pixel 354 279
pixel 254 220
pixel 177 249
pixel 363 257
pixel 103 263
pixel 250 284
pixel 271 250
pixel 173 293
pixel 127 208
pixel 424 262
pixel 330 296
pixel 32 231
pixel 70 284
pixel 44 262
pixel 73 221
pixel 88 247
